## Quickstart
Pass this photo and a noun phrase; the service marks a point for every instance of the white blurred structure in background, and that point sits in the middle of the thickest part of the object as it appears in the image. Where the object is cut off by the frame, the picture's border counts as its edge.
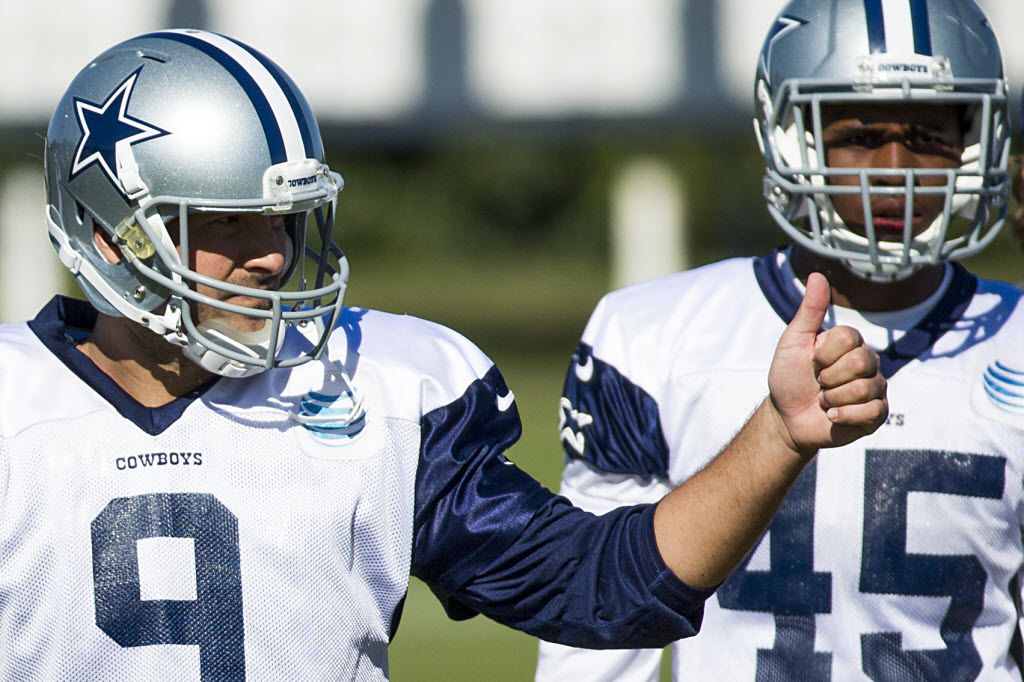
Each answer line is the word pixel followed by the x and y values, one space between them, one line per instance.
pixel 30 272
pixel 417 67
pixel 538 58
pixel 647 222
pixel 370 61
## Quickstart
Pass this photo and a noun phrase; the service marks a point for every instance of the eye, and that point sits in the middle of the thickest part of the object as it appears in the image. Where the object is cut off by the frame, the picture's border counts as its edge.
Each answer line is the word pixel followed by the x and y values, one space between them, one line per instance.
pixel 227 223
pixel 930 141
pixel 858 138
pixel 922 137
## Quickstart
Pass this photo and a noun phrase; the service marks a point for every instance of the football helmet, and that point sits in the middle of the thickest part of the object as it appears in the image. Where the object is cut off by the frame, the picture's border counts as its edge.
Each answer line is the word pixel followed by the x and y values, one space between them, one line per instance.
pixel 882 52
pixel 179 122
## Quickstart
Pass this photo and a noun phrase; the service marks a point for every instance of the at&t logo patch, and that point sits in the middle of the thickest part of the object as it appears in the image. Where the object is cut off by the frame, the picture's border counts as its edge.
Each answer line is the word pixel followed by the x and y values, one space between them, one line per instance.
pixel 1004 386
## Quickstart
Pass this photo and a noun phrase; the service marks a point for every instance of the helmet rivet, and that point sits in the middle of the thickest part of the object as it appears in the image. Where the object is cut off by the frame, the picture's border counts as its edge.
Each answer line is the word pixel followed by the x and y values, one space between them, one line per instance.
pixel 139 293
pixel 279 180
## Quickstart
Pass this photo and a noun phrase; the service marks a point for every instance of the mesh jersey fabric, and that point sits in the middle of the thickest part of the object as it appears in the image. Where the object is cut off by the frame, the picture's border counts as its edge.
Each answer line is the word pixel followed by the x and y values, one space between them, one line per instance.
pixel 305 524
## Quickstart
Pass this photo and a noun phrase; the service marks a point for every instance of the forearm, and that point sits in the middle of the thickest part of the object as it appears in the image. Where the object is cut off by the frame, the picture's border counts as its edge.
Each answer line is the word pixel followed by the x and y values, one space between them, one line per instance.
pixel 708 524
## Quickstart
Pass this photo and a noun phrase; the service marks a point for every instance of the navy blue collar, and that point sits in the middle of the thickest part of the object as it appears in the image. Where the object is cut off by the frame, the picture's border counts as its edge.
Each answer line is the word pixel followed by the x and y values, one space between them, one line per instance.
pixel 918 341
pixel 65 322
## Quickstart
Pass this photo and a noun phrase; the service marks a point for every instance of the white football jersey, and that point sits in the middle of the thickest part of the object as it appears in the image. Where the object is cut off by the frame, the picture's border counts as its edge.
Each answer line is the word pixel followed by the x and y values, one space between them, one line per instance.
pixel 259 529
pixel 897 557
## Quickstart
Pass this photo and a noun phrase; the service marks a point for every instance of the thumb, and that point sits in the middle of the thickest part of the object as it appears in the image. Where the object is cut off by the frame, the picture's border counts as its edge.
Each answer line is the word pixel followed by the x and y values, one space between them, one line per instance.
pixel 813 308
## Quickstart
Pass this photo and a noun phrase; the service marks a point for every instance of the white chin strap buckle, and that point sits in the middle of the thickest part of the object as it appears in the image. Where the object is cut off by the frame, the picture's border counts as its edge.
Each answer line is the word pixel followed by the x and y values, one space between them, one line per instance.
pixel 252 345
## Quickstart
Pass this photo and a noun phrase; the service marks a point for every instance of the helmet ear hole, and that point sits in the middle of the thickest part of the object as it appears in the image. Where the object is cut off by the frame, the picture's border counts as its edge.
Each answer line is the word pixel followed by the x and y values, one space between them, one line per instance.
pixel 106 247
pixel 79 212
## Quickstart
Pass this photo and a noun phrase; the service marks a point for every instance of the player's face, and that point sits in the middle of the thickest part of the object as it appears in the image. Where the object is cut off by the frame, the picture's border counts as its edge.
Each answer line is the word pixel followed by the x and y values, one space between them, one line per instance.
pixel 238 248
pixel 918 136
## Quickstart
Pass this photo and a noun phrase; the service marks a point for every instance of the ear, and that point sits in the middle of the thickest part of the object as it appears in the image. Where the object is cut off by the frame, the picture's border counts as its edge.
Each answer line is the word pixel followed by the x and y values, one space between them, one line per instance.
pixel 105 245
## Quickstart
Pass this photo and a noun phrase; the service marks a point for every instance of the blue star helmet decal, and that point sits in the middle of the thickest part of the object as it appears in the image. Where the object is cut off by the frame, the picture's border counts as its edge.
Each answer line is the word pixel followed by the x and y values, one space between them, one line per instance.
pixel 107 128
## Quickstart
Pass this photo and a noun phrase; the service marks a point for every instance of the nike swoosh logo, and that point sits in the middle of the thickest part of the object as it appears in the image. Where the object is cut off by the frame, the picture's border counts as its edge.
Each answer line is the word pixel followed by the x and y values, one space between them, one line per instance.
pixel 505 401
pixel 585 370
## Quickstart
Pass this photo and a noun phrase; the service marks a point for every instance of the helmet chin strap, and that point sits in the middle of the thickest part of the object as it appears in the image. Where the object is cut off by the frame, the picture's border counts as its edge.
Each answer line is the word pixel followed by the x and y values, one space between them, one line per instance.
pixel 253 344
pixel 846 239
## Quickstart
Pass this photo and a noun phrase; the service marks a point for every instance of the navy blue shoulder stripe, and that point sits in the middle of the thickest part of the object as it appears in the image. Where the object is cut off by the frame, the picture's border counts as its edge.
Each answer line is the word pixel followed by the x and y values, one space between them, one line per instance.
pixel 620 431
pixel 769 279
pixel 289 92
pixel 271 128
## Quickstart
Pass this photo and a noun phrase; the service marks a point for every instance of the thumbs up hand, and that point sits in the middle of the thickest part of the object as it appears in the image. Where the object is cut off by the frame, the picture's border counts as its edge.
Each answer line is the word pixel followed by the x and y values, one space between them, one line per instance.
pixel 826 388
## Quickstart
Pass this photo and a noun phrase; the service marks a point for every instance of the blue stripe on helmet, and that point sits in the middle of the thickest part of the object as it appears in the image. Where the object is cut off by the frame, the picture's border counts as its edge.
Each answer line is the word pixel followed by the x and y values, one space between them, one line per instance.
pixel 922 31
pixel 289 93
pixel 876 26
pixel 275 141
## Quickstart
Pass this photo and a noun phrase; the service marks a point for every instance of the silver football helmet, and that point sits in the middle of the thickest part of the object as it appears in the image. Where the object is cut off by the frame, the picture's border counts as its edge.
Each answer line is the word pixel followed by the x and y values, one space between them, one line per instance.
pixel 882 51
pixel 180 122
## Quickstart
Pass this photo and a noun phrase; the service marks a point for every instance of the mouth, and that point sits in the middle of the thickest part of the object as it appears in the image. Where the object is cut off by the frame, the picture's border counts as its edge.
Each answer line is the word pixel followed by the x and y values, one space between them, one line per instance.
pixel 250 302
pixel 255 302
pixel 890 222
pixel 887 228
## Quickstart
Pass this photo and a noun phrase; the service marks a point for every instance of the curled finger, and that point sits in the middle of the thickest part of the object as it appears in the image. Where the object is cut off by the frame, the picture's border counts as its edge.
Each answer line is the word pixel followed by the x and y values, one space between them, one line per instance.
pixel 834 344
pixel 854 392
pixel 865 416
pixel 859 363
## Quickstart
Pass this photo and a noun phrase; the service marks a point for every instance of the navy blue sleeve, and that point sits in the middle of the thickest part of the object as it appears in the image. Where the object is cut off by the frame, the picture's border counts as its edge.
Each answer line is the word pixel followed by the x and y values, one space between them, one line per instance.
pixel 609 422
pixel 489 539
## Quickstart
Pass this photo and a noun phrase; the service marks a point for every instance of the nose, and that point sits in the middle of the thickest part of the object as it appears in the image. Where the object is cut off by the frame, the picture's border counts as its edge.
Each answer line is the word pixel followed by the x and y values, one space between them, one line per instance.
pixel 892 154
pixel 267 243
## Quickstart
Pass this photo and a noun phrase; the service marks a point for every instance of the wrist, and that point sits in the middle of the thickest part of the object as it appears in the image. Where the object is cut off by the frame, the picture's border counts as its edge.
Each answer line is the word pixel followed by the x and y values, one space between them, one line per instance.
pixel 776 424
